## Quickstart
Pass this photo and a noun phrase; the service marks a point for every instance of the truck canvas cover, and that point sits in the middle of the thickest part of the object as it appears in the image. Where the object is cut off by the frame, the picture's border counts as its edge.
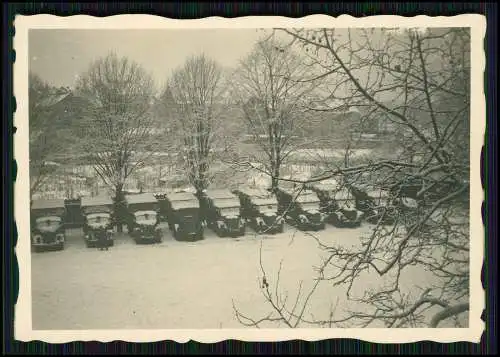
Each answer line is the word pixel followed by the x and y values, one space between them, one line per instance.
pixel 141 198
pixel 327 187
pixel 265 201
pixel 48 207
pixel 216 194
pixel 260 197
pixel 98 204
pixel 96 201
pixel 305 195
pixel 47 204
pixel 142 201
pixel 183 200
pixel 226 203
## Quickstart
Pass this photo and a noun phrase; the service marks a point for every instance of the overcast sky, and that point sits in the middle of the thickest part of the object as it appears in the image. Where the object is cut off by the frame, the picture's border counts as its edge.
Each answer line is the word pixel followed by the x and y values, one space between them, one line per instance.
pixel 58 56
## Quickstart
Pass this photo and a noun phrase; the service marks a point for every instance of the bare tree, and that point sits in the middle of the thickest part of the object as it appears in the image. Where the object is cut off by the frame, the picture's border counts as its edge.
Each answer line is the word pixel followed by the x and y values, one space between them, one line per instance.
pixel 271 89
pixel 418 81
pixel 118 120
pixel 44 135
pixel 197 93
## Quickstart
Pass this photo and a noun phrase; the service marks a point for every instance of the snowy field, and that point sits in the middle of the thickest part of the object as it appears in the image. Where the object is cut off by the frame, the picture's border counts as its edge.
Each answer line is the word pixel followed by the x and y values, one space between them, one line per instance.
pixel 183 285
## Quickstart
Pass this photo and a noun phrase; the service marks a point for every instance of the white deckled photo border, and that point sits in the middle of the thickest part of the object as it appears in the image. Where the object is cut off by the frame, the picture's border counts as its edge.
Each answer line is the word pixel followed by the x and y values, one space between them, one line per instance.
pixel 23 310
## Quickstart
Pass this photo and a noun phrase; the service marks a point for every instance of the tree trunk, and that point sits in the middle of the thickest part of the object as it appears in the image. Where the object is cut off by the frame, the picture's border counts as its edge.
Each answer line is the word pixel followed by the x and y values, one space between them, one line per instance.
pixel 120 209
pixel 275 177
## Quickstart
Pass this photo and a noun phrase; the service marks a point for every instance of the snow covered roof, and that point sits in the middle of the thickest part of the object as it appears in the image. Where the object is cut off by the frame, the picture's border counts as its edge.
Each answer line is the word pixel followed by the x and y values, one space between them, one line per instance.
pixel 304 196
pixel 378 194
pixel 192 203
pixel 307 196
pixel 255 192
pixel 141 198
pixel 96 201
pixel 219 193
pixel 265 201
pixel 48 204
pixel 328 187
pixel 180 200
pixel 226 202
pixel 180 196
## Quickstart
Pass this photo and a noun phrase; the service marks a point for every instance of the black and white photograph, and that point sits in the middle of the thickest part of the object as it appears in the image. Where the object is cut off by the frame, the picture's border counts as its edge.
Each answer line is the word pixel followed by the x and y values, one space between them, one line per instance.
pixel 250 178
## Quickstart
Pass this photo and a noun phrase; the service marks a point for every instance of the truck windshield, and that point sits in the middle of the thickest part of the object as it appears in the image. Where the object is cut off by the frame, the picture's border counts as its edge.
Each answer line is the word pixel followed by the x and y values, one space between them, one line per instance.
pixel 50 222
pixel 310 206
pixel 230 212
pixel 145 217
pixel 98 218
pixel 269 209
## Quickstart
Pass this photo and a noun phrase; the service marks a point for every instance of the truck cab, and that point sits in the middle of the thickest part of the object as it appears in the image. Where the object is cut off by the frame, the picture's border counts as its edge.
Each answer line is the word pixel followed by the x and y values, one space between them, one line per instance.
pixel 47 225
pixel 143 218
pixel 222 212
pixel 301 208
pixel 98 221
pixel 338 204
pixel 183 216
pixel 259 208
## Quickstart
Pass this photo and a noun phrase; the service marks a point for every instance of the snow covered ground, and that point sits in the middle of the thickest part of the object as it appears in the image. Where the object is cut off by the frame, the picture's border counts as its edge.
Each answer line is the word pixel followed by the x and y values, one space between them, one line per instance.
pixel 178 284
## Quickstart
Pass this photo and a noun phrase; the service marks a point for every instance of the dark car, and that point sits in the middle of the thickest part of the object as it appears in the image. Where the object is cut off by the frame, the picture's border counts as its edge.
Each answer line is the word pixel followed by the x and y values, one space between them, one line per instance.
pixel 221 212
pixel 47 225
pixel 259 208
pixel 183 216
pixel 338 204
pixel 98 221
pixel 143 221
pixel 301 208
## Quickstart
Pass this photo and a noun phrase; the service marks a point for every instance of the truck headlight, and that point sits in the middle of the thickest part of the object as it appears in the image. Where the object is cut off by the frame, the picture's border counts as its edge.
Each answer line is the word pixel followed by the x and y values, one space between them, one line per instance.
pixel 37 239
pixel 60 237
pixel 303 218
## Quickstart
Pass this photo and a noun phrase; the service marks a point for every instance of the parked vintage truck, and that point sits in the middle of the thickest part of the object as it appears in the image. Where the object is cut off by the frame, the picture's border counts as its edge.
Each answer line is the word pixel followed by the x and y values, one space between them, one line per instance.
pixel 221 212
pixel 338 204
pixel 98 224
pixel 47 225
pixel 183 216
pixel 143 221
pixel 377 205
pixel 259 208
pixel 301 208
